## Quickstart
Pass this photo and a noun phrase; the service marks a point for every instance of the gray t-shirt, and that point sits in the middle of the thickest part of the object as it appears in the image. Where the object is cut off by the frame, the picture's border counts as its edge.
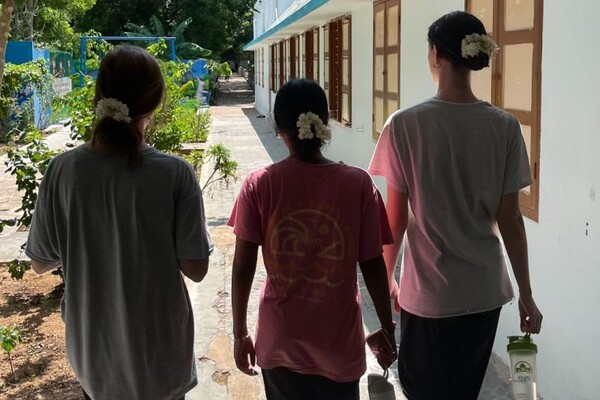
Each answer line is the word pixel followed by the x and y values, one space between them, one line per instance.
pixel 455 161
pixel 119 233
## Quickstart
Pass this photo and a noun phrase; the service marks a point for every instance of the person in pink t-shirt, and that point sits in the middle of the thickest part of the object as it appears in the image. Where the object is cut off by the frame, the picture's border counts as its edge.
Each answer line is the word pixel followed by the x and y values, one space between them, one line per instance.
pixel 315 219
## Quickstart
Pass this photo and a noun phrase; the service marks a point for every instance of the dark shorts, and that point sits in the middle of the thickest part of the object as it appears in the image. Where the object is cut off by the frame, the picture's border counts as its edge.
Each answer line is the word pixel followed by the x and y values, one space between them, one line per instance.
pixel 86 397
pixel 445 358
pixel 283 384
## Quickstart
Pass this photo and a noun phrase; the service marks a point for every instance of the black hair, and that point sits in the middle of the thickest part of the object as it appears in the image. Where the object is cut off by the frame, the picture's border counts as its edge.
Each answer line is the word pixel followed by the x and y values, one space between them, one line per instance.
pixel 132 76
pixel 447 33
pixel 295 97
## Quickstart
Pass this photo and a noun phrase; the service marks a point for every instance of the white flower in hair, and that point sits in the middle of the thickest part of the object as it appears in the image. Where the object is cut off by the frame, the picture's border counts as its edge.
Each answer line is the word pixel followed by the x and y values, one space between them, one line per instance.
pixel 475 43
pixel 305 124
pixel 113 108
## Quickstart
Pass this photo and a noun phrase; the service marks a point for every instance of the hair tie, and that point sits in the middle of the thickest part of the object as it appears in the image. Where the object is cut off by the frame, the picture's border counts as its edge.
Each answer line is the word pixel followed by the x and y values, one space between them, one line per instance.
pixel 113 108
pixel 305 123
pixel 475 43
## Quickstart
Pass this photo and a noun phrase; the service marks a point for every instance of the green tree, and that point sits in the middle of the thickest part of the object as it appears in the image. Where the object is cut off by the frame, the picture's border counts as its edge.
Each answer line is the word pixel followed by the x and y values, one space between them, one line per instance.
pixel 110 16
pixel 8 8
pixel 223 26
pixel 49 22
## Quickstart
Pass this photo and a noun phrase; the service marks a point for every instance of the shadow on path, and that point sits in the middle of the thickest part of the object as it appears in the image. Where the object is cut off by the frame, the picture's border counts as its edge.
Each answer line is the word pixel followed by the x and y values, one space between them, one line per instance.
pixel 235 92
pixel 272 144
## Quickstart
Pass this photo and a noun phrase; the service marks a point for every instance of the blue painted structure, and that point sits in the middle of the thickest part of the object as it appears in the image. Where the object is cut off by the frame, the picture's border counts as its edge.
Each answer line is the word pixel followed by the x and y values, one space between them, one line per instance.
pixel 85 39
pixel 199 68
pixel 21 52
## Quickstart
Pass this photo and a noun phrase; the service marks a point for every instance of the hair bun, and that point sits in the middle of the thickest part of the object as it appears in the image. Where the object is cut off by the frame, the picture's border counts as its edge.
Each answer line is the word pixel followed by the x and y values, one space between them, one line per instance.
pixel 477 63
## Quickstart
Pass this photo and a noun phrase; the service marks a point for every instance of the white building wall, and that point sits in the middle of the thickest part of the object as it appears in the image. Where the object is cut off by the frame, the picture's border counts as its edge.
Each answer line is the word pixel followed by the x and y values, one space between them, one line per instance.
pixel 564 246
pixel 415 79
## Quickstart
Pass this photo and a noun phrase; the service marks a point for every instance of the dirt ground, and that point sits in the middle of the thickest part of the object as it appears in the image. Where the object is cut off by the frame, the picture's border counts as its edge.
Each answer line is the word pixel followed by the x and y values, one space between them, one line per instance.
pixel 40 363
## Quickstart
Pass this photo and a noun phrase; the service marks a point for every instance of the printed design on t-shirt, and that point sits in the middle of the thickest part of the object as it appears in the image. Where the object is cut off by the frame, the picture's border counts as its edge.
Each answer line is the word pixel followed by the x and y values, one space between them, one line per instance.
pixel 312 244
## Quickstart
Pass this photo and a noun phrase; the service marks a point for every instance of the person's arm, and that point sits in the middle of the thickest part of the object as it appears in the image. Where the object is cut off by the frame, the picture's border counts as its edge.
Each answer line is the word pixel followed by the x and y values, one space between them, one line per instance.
pixel 194 269
pixel 374 274
pixel 397 211
pixel 512 229
pixel 41 268
pixel 244 268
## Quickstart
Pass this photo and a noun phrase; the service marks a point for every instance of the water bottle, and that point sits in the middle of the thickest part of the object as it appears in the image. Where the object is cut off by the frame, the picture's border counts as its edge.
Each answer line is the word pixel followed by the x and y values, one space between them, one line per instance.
pixel 523 369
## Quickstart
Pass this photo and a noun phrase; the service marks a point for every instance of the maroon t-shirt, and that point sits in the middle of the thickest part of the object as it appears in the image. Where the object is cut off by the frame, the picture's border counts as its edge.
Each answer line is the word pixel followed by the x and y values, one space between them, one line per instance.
pixel 314 223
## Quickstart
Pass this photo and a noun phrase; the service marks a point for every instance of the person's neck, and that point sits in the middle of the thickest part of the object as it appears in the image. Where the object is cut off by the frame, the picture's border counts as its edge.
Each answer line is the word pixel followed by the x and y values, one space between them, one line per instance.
pixel 455 87
pixel 101 147
pixel 316 158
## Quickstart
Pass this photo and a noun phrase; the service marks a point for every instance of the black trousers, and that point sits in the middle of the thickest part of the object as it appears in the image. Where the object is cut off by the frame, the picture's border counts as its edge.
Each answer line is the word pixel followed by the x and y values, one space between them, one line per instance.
pixel 86 397
pixel 445 358
pixel 283 384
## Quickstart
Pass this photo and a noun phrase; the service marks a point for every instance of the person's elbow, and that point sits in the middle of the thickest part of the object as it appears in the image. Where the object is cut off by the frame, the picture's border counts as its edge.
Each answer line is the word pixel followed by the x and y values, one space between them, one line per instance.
pixel 41 268
pixel 509 217
pixel 196 270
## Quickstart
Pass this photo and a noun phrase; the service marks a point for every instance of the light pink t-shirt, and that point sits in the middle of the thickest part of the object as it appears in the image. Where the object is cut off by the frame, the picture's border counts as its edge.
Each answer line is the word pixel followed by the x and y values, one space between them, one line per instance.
pixel 455 161
pixel 314 223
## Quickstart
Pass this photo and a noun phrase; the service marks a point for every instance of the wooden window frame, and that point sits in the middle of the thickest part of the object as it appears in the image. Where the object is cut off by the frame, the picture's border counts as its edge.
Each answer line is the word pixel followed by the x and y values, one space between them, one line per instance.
pixel 257 66
pixel 326 64
pixel 311 51
pixel 281 65
pixel 529 201
pixel 385 51
pixel 296 57
pixel 346 89
pixel 292 59
pixel 316 56
pixel 273 66
pixel 262 67
pixel 334 54
pixel 288 60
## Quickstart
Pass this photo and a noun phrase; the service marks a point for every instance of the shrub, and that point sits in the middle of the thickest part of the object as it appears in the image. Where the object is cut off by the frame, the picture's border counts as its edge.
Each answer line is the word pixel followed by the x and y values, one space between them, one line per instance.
pixel 23 79
pixel 10 337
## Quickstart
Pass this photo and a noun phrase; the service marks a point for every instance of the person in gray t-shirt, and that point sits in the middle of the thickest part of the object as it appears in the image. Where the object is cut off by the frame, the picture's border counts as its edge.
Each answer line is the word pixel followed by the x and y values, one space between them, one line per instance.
pixel 124 220
pixel 454 166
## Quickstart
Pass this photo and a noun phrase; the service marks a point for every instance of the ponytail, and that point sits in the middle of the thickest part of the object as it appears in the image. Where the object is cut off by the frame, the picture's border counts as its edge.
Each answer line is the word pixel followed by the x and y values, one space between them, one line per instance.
pixel 123 137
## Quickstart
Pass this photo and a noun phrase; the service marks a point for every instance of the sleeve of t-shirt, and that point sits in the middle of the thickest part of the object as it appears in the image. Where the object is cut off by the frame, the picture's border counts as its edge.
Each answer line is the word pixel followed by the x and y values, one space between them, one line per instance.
pixel 517 174
pixel 192 238
pixel 374 227
pixel 245 216
pixel 42 242
pixel 386 159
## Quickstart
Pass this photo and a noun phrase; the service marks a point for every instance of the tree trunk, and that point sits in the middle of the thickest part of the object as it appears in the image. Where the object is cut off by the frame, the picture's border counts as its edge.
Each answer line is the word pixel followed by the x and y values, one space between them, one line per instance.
pixel 31 11
pixel 7 10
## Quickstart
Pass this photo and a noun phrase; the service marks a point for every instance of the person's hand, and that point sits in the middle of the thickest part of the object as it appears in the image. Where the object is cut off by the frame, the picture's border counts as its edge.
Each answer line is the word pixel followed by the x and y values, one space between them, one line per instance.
pixel 531 317
pixel 388 356
pixel 394 295
pixel 382 343
pixel 245 357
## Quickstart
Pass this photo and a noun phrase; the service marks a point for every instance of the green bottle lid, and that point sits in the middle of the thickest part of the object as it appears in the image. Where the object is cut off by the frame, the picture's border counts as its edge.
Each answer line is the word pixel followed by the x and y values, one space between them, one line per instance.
pixel 521 343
